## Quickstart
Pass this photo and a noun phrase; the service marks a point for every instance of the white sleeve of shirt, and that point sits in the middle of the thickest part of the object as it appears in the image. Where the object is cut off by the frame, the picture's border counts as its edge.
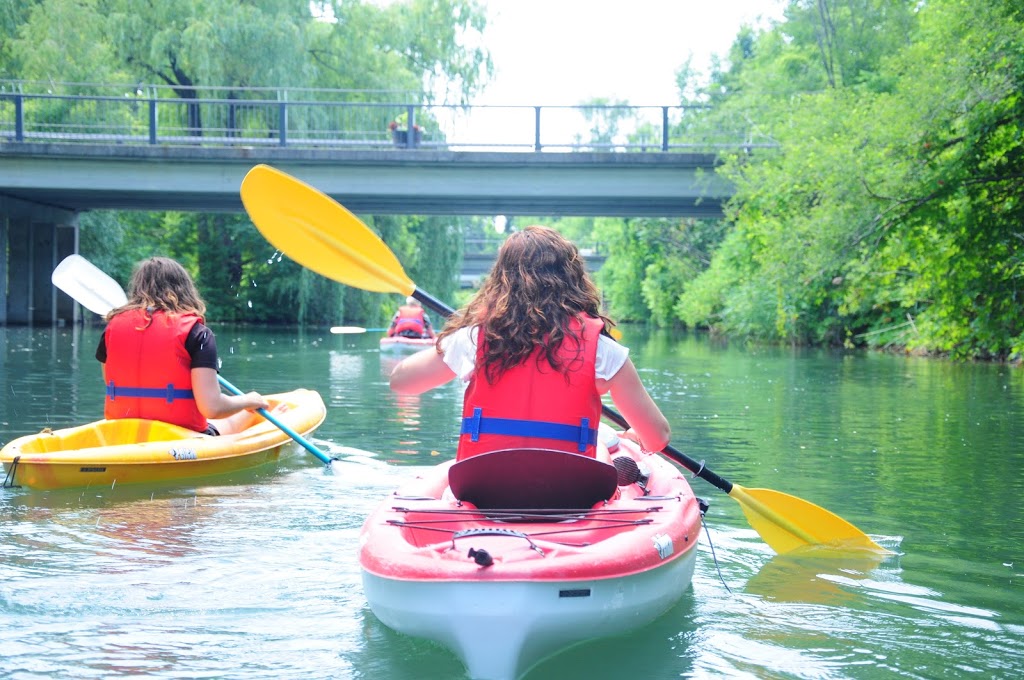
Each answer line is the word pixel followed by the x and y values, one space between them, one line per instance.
pixel 610 357
pixel 459 351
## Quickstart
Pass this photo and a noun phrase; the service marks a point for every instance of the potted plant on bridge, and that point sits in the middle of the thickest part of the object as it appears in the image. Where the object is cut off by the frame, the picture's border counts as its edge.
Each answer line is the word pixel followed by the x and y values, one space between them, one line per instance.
pixel 400 132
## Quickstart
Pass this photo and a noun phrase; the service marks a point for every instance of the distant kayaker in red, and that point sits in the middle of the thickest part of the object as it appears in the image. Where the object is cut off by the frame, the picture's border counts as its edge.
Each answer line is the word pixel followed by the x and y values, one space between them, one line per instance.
pixel 159 358
pixel 410 321
pixel 537 354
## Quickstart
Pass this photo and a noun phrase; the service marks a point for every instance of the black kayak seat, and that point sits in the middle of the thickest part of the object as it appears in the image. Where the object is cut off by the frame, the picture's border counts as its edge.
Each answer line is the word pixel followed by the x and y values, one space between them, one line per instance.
pixel 532 479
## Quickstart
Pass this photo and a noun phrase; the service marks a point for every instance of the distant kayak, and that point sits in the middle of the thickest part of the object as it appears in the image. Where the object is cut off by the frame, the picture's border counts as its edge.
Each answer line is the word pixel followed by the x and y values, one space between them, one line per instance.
pixel 400 343
pixel 135 451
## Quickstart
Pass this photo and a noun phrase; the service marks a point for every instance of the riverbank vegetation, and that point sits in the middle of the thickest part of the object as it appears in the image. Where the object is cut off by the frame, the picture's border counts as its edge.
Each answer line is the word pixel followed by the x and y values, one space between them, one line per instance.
pixel 888 210
pixel 879 199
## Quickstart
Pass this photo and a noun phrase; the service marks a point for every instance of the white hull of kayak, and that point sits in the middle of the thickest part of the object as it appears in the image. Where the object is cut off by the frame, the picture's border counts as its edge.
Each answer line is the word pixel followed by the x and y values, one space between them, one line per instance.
pixel 502 629
pixel 511 556
pixel 399 343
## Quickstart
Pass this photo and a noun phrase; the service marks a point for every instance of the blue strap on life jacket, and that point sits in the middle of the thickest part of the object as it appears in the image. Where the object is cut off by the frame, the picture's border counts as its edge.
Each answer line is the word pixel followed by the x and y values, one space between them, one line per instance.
pixel 169 393
pixel 583 435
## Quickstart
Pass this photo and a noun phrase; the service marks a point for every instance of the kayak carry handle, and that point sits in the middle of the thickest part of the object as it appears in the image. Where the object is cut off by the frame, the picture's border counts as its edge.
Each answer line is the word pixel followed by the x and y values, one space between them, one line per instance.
pixel 495 532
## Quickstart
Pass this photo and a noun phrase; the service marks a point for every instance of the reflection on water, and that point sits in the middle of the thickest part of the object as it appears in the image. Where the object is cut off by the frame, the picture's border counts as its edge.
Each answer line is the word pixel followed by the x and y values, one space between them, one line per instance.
pixel 257 574
pixel 814 580
pixel 406 417
pixel 407 420
pixel 383 653
pixel 655 651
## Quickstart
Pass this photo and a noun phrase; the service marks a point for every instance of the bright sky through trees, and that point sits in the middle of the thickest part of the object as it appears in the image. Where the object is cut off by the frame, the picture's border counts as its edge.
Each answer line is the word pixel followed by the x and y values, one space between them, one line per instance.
pixel 569 51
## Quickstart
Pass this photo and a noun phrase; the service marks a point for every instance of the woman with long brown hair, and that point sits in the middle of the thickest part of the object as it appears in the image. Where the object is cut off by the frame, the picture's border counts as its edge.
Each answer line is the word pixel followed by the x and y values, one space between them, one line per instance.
pixel 537 354
pixel 159 358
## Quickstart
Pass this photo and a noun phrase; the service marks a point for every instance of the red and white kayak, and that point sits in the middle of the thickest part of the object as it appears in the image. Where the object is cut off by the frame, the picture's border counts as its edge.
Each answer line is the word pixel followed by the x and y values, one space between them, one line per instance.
pixel 399 342
pixel 509 557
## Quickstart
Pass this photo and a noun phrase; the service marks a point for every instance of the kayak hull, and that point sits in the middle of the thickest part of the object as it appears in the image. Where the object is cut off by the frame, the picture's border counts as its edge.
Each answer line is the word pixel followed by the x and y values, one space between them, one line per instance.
pixel 506 588
pixel 137 451
pixel 500 630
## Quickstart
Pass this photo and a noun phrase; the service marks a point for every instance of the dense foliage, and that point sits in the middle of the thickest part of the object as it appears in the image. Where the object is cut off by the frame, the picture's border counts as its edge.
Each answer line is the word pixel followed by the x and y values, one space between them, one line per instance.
pixel 879 193
pixel 890 211
pixel 880 199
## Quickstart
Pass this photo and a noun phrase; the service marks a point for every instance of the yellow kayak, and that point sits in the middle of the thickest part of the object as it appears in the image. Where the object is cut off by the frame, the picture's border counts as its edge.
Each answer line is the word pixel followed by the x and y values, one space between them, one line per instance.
pixel 136 451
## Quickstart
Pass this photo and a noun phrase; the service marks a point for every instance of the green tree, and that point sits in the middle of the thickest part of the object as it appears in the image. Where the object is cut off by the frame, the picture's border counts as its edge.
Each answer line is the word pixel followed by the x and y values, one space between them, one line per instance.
pixel 421 46
pixel 428 47
pixel 13 14
pixel 849 38
pixel 889 212
pixel 62 41
pixel 211 42
pixel 949 240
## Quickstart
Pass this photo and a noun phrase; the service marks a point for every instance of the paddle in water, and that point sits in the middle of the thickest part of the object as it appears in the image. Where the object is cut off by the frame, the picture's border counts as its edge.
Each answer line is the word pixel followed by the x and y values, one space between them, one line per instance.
pixel 92 288
pixel 317 232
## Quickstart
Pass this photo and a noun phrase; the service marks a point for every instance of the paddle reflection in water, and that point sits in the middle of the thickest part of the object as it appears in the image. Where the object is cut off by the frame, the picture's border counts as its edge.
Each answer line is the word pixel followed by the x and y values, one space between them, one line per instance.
pixel 803 577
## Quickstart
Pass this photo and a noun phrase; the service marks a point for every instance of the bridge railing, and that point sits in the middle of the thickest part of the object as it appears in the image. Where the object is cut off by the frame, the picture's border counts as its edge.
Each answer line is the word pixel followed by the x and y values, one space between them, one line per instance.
pixel 488 247
pixel 479 255
pixel 268 117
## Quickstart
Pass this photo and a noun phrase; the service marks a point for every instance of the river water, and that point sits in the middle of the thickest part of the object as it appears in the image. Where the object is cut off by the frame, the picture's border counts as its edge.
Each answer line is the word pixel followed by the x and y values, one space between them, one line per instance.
pixel 256 575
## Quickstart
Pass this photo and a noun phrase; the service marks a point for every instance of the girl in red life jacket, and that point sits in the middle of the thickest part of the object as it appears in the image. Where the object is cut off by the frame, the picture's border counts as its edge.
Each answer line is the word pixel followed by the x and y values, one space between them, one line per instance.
pixel 411 321
pixel 537 354
pixel 160 360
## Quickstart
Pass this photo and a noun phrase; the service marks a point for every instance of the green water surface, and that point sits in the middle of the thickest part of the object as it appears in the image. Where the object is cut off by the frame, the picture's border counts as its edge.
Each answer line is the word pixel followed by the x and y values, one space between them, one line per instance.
pixel 256 575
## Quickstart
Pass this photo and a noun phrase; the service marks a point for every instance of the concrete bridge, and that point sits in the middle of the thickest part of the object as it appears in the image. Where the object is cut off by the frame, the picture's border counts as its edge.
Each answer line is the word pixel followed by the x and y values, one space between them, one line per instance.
pixel 76 177
pixel 50 174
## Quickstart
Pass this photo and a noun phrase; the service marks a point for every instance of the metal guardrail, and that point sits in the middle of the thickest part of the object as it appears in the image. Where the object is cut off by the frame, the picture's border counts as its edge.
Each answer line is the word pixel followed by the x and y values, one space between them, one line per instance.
pixel 266 117
pixel 479 255
pixel 488 247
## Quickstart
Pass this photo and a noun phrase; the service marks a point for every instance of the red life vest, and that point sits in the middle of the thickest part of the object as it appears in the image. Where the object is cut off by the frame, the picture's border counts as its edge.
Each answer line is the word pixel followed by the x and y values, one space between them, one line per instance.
pixel 410 318
pixel 148 369
pixel 532 405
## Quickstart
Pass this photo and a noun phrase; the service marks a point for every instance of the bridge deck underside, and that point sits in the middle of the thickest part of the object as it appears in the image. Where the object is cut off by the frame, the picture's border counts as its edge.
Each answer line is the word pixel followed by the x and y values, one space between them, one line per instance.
pixel 80 178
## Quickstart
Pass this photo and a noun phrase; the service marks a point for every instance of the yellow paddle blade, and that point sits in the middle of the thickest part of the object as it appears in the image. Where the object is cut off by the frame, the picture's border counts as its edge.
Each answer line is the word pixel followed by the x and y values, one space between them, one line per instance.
pixel 787 523
pixel 319 233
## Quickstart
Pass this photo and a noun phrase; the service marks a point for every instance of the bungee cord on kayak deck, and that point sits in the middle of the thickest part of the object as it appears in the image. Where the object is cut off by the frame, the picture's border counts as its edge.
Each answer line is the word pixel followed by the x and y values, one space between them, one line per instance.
pixel 592 516
pixel 538 515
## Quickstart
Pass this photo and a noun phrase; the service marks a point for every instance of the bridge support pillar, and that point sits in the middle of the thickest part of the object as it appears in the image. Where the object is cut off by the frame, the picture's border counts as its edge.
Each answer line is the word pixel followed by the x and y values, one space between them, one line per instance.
pixel 33 240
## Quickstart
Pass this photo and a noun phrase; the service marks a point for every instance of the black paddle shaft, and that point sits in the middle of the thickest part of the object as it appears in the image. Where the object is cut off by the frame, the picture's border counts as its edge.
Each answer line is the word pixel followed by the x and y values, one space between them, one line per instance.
pixel 690 464
pixel 611 414
pixel 433 303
